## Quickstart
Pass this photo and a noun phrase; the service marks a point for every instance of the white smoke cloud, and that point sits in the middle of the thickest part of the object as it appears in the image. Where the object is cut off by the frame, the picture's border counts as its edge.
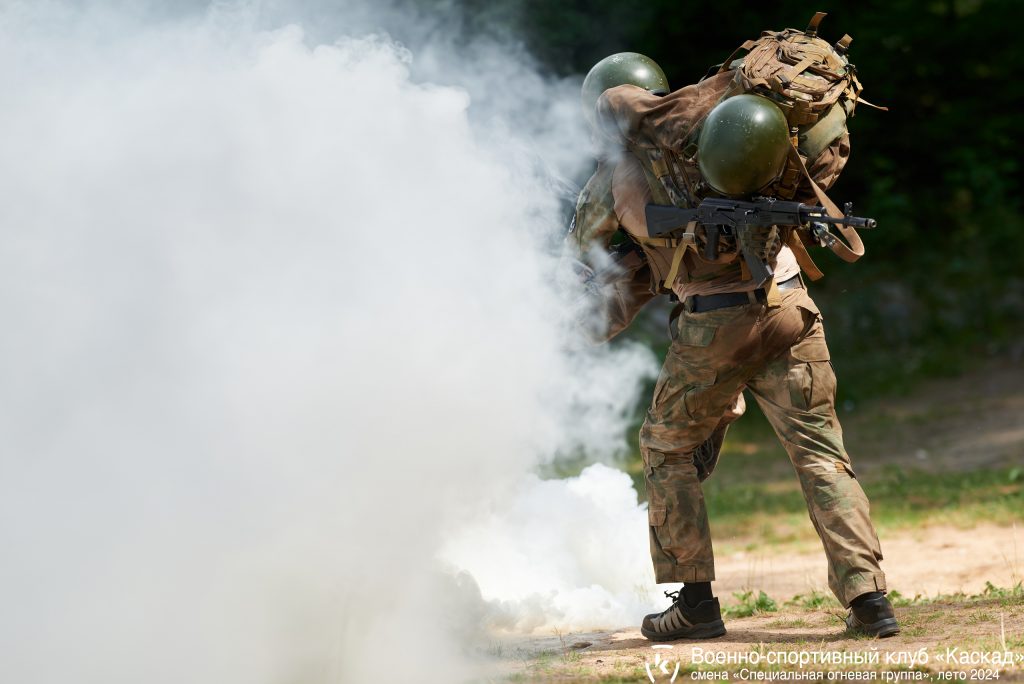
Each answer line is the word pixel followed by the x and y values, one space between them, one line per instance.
pixel 565 554
pixel 277 327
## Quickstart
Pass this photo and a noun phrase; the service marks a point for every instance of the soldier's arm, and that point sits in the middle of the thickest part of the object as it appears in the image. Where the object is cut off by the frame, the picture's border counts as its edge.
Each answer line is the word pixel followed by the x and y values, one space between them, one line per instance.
pixel 634 115
pixel 622 289
pixel 630 293
pixel 594 223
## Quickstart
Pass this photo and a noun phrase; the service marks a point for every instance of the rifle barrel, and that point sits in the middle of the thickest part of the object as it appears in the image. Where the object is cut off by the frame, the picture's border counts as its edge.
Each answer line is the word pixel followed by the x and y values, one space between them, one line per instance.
pixel 855 221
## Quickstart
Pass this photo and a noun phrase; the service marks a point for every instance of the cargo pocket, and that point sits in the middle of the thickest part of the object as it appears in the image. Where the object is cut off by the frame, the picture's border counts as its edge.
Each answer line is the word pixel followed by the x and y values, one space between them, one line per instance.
pixel 693 334
pixel 812 386
pixel 664 559
pixel 800 383
pixel 812 345
pixel 666 391
pixel 651 459
pixel 657 514
pixel 684 375
pixel 810 378
pixel 697 397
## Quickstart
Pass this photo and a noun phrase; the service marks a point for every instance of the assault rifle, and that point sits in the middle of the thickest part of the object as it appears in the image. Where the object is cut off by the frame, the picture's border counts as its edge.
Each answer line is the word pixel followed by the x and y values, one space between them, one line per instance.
pixel 726 217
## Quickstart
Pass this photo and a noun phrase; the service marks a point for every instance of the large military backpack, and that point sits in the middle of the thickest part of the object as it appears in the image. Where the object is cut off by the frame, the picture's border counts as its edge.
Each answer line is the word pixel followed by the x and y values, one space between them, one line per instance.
pixel 816 87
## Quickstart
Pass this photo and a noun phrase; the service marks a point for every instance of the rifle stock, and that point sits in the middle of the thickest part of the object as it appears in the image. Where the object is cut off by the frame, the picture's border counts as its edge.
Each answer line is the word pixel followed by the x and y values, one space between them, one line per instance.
pixel 662 219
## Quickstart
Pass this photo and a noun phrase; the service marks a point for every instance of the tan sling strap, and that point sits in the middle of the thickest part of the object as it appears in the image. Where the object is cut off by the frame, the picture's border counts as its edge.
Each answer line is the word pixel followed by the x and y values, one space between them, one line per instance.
pixel 663 263
pixel 686 242
pixel 667 243
pixel 848 254
pixel 861 100
pixel 774 297
pixel 803 258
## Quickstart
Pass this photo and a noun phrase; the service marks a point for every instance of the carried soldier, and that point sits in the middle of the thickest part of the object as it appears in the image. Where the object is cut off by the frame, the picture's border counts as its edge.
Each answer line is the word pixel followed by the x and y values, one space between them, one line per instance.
pixel 711 194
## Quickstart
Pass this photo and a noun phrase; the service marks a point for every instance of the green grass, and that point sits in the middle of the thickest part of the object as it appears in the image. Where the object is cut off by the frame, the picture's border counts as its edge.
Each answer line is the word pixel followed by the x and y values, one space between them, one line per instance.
pixel 754 490
pixel 815 600
pixel 1014 594
pixel 747 604
pixel 998 596
pixel 753 501
pixel 774 511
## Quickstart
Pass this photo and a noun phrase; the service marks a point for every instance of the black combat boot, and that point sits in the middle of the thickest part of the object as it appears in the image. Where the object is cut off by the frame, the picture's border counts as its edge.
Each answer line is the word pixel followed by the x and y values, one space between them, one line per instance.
pixel 872 614
pixel 682 621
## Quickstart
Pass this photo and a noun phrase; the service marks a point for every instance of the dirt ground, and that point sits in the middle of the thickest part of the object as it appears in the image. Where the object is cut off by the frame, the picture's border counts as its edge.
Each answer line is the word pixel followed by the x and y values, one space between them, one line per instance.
pixel 979 627
pixel 930 562
pixel 927 562
pixel 975 421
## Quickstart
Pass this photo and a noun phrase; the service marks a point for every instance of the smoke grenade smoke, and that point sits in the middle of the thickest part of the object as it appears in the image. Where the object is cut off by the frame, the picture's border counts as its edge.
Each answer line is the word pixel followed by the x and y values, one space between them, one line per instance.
pixel 281 352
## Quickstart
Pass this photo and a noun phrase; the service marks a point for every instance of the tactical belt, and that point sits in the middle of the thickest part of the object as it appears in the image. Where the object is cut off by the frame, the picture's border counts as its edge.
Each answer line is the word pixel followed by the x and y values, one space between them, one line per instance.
pixel 702 303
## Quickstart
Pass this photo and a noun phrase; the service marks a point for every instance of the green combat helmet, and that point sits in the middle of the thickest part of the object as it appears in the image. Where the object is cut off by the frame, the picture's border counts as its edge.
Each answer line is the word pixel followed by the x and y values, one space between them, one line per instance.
pixel 620 69
pixel 743 145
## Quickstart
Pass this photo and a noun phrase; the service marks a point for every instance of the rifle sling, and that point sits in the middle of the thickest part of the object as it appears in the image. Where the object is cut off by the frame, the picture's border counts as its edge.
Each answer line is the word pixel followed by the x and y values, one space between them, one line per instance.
pixel 803 259
pixel 849 253
pixel 658 241
pixel 677 256
pixel 658 258
pixel 773 297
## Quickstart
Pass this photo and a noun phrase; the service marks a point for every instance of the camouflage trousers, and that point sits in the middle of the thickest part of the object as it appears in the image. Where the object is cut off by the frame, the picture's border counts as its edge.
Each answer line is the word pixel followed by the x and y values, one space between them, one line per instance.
pixel 779 354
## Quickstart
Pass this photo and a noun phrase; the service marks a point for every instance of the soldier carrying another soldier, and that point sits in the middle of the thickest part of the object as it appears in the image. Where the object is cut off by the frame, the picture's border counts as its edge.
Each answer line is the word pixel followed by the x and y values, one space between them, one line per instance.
pixel 767 127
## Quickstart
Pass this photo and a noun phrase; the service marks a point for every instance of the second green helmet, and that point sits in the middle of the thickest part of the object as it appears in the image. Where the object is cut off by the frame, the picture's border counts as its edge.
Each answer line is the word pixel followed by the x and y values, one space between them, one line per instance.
pixel 743 145
pixel 620 69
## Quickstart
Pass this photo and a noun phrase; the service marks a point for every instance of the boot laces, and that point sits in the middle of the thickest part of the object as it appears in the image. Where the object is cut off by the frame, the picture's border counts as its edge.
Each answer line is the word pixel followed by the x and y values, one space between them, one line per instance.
pixel 677 602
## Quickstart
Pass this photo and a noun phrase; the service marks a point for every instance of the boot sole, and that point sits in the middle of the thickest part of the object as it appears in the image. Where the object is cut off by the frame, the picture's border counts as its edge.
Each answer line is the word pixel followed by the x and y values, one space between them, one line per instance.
pixel 881 629
pixel 705 630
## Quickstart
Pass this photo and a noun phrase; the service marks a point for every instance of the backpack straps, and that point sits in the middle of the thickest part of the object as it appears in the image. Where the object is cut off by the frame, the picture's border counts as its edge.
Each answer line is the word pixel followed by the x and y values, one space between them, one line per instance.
pixel 727 64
